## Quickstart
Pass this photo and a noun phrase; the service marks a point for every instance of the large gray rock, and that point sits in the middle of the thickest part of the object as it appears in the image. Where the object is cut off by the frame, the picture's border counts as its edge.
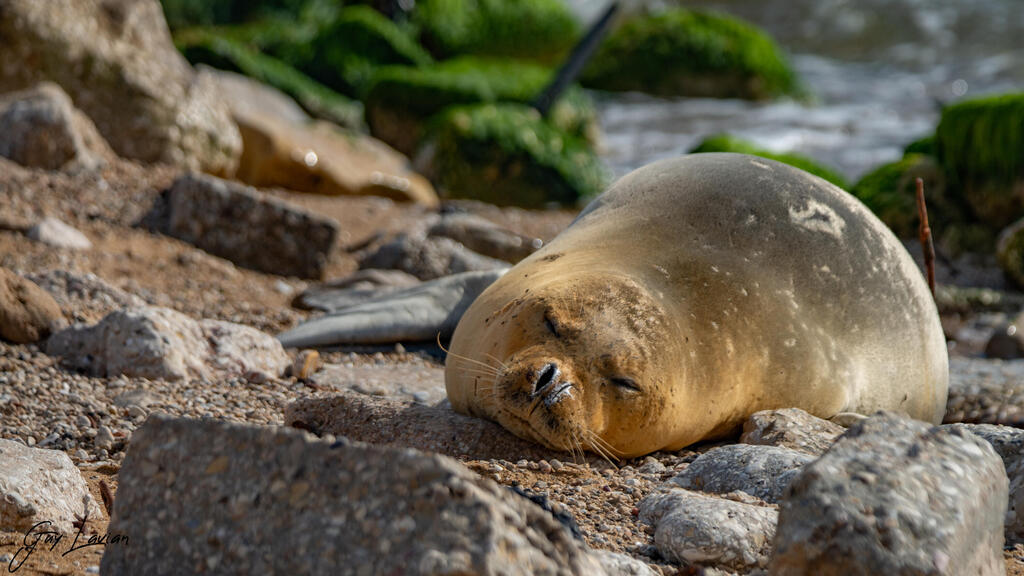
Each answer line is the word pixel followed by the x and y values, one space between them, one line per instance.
pixel 790 428
pixel 423 312
pixel 116 60
pixel 761 471
pixel 87 296
pixel 38 485
pixel 694 528
pixel 1009 444
pixel 159 343
pixel 895 496
pixel 202 496
pixel 41 128
pixel 27 312
pixel 250 228
pixel 429 257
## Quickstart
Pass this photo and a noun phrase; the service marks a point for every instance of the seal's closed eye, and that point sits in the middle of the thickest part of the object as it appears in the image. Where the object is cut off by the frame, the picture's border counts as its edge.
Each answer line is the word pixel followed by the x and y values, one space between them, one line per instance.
pixel 552 327
pixel 625 383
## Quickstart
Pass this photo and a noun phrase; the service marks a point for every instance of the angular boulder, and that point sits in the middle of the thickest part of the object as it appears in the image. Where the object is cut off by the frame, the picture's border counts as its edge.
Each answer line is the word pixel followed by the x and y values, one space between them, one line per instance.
pixel 791 428
pixel 38 485
pixel 248 227
pixel 1008 442
pixel 762 471
pixel 159 343
pixel 116 60
pixel 41 128
pixel 240 499
pixel 895 496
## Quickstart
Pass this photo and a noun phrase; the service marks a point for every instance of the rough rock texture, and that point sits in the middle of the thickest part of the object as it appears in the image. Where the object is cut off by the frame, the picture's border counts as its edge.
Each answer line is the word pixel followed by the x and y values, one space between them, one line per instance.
pixel 59 235
pixel 761 471
pixel 37 485
pixel 358 287
pixel 410 381
pixel 237 499
pixel 87 296
pixel 159 343
pixel 485 237
pixel 895 496
pixel 41 128
pixel 985 392
pixel 404 424
pixel 694 528
pixel 1009 444
pixel 116 60
pixel 249 228
pixel 282 147
pixel 428 258
pixel 621 564
pixel 27 312
pixel 791 428
pixel 424 312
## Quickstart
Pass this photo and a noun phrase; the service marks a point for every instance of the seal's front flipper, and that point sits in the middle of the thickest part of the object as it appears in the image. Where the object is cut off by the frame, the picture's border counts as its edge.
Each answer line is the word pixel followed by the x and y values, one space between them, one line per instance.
pixel 414 314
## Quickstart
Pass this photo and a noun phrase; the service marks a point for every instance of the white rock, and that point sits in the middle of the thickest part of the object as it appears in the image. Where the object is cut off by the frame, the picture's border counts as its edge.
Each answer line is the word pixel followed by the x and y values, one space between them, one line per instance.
pixel 58 234
pixel 38 485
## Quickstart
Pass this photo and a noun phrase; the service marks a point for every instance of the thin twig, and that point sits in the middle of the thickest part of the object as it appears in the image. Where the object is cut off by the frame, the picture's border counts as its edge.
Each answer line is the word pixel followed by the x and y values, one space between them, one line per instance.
pixel 925 235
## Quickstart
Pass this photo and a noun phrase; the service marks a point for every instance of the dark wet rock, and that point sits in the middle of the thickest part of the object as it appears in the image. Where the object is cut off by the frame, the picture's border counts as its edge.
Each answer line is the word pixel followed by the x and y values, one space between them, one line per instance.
pixel 895 496
pixel 38 485
pixel 1008 442
pixel 353 289
pixel 1007 340
pixel 159 343
pixel 403 424
pixel 423 312
pixel 27 312
pixel 117 62
pixel 248 227
pixel 427 258
pixel 790 428
pixel 220 491
pixel 693 528
pixel 41 128
pixel 761 471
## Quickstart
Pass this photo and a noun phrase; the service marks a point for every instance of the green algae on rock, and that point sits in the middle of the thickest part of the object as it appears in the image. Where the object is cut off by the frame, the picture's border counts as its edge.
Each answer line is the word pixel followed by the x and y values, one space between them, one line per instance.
pixel 535 29
pixel 980 144
pixel 401 99
pixel 507 154
pixel 206 46
pixel 187 13
pixel 690 53
pixel 727 143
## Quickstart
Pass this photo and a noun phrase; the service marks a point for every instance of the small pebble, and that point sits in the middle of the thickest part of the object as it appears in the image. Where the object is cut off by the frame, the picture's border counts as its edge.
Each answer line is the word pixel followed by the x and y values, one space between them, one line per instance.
pixel 104 438
pixel 556 464
pixel 544 466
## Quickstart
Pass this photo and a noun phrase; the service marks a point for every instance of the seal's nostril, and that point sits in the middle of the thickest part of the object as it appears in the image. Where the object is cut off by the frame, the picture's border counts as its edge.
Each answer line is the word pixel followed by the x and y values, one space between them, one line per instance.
pixel 547 375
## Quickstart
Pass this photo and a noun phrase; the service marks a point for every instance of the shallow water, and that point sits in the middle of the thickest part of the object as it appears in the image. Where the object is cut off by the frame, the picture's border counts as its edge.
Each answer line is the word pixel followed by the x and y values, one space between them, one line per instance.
pixel 879 70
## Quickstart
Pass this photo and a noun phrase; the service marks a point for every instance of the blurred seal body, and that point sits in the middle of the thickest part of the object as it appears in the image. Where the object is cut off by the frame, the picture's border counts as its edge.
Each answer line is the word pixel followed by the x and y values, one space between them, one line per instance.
pixel 691 294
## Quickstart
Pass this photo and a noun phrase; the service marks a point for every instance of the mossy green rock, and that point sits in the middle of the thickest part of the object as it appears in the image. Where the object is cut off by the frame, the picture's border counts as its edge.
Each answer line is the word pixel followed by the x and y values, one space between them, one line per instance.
pixel 401 99
pixel 188 13
pixel 538 29
pixel 203 46
pixel 726 143
pixel 508 154
pixel 690 53
pixel 980 144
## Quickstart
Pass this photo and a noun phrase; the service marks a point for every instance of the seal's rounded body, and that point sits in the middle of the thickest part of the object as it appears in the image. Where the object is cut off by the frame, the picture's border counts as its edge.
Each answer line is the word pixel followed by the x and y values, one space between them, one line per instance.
pixel 691 294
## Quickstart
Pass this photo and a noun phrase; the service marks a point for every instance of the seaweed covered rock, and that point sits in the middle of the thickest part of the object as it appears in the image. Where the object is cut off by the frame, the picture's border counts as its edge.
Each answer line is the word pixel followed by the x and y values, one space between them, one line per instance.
pixel 890 192
pixel 201 46
pixel 980 144
pixel 726 143
pixel 538 29
pixel 509 155
pixel 402 98
pixel 117 63
pixel 187 13
pixel 690 53
pixel 1010 252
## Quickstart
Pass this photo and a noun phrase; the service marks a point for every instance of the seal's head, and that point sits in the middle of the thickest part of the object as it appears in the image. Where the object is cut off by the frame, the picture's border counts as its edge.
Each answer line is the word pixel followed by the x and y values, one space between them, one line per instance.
pixel 579 362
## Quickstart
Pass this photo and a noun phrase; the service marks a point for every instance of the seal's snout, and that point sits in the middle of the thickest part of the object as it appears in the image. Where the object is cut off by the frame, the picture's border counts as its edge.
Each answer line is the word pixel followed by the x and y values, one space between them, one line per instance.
pixel 547 376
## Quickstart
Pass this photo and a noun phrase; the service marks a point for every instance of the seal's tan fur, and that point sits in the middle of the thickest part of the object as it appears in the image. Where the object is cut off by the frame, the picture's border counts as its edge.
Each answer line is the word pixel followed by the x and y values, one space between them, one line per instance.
pixel 691 294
